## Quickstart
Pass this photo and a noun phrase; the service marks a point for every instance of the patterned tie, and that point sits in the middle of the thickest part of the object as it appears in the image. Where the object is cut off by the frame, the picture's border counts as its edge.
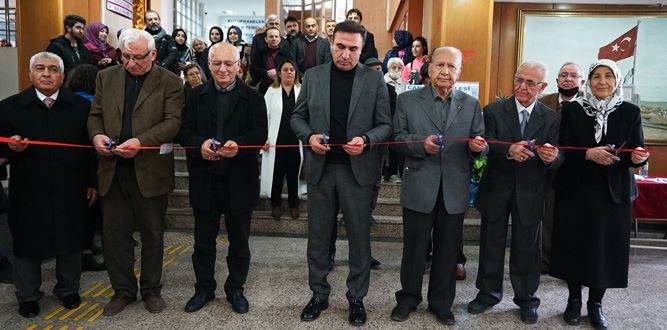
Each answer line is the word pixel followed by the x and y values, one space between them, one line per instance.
pixel 48 102
pixel 524 120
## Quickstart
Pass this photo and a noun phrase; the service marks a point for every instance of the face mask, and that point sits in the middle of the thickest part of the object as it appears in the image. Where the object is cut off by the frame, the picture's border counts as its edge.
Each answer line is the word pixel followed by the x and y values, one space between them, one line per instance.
pixel 568 92
pixel 394 75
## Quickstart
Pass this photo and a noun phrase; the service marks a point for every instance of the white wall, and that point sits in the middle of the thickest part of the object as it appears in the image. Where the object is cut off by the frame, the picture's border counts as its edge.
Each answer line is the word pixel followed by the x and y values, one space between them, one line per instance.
pixel 9 84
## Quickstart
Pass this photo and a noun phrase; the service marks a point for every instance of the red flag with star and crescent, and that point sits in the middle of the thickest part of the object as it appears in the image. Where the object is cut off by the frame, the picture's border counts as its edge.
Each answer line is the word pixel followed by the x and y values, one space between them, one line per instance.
pixel 622 47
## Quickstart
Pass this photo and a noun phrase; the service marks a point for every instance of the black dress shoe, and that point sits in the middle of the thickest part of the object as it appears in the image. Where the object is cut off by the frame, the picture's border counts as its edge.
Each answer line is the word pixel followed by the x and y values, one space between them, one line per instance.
pixel 374 263
pixel 401 313
pixel 357 313
pixel 595 315
pixel 29 309
pixel 443 316
pixel 90 264
pixel 199 300
pixel 477 306
pixel 239 302
pixel 528 315
pixel 572 314
pixel 312 310
pixel 72 301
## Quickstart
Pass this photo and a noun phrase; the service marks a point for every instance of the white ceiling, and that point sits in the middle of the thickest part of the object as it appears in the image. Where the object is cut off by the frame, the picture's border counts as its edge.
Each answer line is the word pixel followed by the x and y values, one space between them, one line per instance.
pixel 237 7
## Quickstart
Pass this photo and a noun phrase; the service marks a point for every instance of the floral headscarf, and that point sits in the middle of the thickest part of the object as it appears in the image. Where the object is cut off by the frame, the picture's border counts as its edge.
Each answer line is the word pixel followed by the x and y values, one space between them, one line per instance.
pixel 601 109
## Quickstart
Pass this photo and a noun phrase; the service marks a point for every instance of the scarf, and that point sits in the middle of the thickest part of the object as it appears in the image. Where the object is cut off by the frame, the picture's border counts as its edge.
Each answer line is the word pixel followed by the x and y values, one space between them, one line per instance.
pixel 157 35
pixel 601 109
pixel 93 41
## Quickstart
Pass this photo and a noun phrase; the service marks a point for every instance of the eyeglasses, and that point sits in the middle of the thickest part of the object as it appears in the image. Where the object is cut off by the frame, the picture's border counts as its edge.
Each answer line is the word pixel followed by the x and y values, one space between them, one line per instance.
pixel 228 64
pixel 572 75
pixel 518 81
pixel 135 58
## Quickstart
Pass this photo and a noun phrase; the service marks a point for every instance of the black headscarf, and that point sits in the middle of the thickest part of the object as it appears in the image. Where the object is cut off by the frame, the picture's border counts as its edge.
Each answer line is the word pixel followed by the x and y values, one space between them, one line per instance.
pixel 222 35
pixel 184 46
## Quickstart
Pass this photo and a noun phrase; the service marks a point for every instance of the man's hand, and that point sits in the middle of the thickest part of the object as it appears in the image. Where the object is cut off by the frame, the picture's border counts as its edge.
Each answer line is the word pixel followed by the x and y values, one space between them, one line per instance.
pixel 91 196
pixel 547 153
pixel 206 152
pixel 355 146
pixel 518 153
pixel 639 155
pixel 477 144
pixel 601 156
pixel 315 142
pixel 16 146
pixel 229 150
pixel 271 73
pixel 429 145
pixel 101 143
pixel 128 149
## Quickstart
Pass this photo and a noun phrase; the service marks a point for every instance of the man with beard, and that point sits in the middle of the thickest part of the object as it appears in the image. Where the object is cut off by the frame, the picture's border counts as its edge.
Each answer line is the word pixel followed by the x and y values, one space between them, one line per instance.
pixel 292 29
pixel 569 80
pixel 69 46
pixel 167 53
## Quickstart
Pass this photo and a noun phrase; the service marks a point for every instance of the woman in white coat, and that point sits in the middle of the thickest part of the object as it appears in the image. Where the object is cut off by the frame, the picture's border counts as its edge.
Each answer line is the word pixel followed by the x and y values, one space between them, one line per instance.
pixel 281 163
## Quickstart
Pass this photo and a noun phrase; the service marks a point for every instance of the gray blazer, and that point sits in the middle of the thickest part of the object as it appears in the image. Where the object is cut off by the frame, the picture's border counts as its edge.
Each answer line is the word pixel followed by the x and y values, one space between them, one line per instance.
pixel 369 114
pixel 322 54
pixel 416 118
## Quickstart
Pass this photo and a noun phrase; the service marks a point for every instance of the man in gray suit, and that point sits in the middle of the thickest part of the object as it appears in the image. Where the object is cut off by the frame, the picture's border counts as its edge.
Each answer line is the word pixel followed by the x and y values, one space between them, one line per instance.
pixel 435 189
pixel 311 49
pixel 331 110
pixel 514 183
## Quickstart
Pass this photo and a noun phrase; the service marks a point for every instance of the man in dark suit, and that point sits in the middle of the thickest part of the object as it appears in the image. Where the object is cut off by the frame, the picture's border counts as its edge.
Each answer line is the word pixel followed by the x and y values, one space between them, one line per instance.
pixel 264 62
pixel 48 186
pixel 223 179
pixel 569 80
pixel 435 188
pixel 369 49
pixel 136 104
pixel 331 109
pixel 311 49
pixel 514 184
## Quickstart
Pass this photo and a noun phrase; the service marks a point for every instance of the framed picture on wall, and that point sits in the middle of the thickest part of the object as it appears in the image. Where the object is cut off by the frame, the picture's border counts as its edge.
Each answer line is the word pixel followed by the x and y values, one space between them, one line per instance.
pixel 636 40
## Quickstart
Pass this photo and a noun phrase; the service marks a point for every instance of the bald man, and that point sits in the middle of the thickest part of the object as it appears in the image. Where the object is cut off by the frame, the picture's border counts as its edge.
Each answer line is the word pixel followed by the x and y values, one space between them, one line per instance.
pixel 311 49
pixel 223 178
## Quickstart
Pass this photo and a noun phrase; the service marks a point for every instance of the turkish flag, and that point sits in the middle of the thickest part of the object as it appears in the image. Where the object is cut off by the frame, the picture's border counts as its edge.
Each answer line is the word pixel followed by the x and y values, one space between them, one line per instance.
pixel 622 47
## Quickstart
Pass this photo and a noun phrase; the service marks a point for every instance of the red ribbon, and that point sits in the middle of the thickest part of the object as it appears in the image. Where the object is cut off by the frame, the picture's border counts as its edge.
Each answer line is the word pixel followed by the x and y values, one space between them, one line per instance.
pixel 71 145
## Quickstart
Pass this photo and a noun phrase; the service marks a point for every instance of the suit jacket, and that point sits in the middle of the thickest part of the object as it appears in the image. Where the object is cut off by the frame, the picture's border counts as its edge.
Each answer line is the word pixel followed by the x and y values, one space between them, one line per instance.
pixel 243 122
pixel 368 115
pixel 323 52
pixel 416 118
pixel 504 176
pixel 156 119
pixel 258 63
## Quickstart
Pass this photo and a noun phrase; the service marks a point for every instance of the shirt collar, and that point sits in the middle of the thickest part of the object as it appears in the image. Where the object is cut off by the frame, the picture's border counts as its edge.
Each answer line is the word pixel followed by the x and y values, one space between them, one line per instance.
pixel 41 96
pixel 436 96
pixel 310 39
pixel 561 100
pixel 520 107
pixel 225 90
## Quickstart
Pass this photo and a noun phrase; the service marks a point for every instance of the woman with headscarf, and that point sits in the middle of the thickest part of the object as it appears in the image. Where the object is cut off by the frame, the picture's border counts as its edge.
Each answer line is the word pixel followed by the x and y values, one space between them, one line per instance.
pixel 235 37
pixel 591 230
pixel 101 53
pixel 401 43
pixel 215 35
pixel 185 53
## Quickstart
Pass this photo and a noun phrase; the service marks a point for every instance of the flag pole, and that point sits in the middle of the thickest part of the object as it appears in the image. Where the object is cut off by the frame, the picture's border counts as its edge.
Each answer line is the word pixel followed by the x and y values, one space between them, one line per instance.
pixel 634 60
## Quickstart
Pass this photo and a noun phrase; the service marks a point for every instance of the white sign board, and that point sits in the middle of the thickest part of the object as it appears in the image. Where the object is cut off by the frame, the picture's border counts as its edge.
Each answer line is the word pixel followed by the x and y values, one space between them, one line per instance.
pixel 247 24
pixel 469 87
pixel 120 7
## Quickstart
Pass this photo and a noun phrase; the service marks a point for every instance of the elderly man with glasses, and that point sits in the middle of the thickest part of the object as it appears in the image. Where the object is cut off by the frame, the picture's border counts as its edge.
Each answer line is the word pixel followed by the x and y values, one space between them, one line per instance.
pixel 514 183
pixel 136 104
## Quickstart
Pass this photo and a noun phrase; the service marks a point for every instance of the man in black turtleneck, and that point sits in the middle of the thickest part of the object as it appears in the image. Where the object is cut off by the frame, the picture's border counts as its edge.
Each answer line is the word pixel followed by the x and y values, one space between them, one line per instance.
pixel 167 53
pixel 346 104
pixel 568 81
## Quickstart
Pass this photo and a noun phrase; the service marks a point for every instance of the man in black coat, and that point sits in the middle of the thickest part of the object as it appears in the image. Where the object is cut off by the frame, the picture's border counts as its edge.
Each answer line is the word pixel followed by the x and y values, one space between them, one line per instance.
pixel 223 177
pixel 514 183
pixel 368 50
pixel 69 46
pixel 311 49
pixel 48 186
pixel 264 62
pixel 167 54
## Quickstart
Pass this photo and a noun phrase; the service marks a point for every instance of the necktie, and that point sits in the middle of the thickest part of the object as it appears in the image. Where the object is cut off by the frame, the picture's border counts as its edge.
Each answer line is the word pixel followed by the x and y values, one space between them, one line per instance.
pixel 48 102
pixel 524 120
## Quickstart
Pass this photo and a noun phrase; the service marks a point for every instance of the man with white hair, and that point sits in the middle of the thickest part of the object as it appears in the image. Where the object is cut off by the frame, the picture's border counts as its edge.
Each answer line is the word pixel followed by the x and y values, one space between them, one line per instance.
pixel 136 104
pixel 48 186
pixel 514 183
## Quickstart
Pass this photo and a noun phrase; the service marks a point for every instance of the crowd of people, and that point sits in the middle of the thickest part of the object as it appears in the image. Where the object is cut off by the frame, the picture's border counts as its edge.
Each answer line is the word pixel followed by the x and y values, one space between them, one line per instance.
pixel 334 103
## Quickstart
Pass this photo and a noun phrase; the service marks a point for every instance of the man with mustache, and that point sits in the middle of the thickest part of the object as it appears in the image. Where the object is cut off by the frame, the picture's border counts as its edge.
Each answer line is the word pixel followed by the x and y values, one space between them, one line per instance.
pixel 69 46
pixel 167 53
